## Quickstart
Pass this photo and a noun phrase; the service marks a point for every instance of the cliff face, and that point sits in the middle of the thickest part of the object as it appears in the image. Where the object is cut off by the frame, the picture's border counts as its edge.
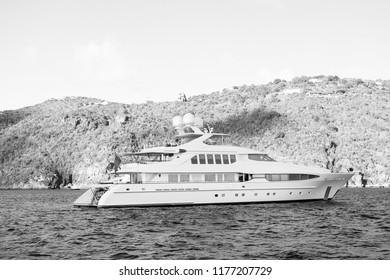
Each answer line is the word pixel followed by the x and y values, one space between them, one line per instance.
pixel 321 121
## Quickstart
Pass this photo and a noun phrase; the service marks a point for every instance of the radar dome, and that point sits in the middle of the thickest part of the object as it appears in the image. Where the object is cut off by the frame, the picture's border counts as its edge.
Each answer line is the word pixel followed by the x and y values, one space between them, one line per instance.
pixel 177 121
pixel 198 122
pixel 188 119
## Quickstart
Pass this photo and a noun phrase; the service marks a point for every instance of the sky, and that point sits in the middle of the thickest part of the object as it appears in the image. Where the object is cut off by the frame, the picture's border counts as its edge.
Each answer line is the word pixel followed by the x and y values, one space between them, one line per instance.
pixel 132 51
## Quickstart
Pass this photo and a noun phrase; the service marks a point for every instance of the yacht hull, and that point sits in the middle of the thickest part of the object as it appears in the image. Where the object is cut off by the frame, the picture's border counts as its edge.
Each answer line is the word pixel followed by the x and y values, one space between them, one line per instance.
pixel 178 194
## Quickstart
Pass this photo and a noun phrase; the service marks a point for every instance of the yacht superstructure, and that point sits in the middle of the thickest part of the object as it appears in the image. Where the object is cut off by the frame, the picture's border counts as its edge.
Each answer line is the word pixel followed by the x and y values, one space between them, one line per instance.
pixel 205 168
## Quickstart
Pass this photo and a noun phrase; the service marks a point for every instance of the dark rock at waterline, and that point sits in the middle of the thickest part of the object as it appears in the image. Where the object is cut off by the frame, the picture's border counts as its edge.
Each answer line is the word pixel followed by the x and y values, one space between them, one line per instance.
pixel 58 181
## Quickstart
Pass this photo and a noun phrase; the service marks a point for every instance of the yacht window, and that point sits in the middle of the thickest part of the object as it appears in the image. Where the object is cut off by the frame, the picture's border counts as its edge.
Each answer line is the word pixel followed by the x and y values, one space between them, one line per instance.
pixel 293 177
pixel 260 157
pixel 202 159
pixel 194 160
pixel 225 159
pixel 284 177
pixel 229 177
pixel 173 178
pixel 188 130
pixel 304 176
pixel 219 177
pixel 243 177
pixel 218 159
pixel 214 140
pixel 219 140
pixel 289 177
pixel 232 158
pixel 196 178
pixel 210 177
pixel 184 178
pixel 210 159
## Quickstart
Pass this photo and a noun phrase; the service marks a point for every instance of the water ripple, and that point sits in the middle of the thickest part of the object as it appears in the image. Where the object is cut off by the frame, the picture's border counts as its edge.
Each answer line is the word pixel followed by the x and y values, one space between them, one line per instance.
pixel 42 224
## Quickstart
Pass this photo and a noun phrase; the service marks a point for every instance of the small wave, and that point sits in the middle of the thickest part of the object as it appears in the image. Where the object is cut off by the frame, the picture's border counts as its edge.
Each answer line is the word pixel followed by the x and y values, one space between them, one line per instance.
pixel 294 255
pixel 152 230
pixel 369 217
pixel 123 256
pixel 34 254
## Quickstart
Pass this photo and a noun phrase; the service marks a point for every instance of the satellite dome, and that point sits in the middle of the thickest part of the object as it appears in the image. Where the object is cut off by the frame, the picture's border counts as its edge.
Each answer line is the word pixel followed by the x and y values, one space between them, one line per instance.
pixel 188 119
pixel 177 121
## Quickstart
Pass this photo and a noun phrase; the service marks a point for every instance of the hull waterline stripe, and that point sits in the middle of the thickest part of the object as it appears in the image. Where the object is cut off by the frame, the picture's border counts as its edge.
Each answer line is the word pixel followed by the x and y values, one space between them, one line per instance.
pixel 204 204
pixel 218 190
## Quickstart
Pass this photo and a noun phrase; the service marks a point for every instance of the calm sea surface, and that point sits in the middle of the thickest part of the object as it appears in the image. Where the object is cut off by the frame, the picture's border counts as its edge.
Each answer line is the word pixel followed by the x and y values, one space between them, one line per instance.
pixel 43 224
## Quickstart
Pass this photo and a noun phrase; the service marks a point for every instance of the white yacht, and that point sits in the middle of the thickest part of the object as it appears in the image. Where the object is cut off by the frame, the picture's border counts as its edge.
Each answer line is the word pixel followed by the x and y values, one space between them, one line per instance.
pixel 206 168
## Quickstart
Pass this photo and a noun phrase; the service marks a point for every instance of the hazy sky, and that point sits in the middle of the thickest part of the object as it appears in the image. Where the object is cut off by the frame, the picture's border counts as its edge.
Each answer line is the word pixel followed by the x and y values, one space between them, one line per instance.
pixel 132 51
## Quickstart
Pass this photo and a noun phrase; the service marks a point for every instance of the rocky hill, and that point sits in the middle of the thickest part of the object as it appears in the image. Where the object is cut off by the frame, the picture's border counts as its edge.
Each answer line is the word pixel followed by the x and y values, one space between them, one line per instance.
pixel 323 121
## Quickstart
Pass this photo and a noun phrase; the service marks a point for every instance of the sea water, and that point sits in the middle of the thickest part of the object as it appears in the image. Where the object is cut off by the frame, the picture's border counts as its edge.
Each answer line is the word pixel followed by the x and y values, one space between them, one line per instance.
pixel 43 224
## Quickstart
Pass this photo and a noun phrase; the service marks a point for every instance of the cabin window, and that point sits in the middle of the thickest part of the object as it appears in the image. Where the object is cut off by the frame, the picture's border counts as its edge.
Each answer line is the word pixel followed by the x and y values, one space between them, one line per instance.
pixel 214 140
pixel 219 177
pixel 173 178
pixel 284 177
pixel 210 159
pixel 229 177
pixel 202 159
pixel 135 178
pixel 225 159
pixel 232 158
pixel 304 176
pixel 218 159
pixel 194 160
pixel 293 177
pixel 210 177
pixel 188 130
pixel 196 178
pixel 184 178
pixel 289 177
pixel 260 157
pixel 243 177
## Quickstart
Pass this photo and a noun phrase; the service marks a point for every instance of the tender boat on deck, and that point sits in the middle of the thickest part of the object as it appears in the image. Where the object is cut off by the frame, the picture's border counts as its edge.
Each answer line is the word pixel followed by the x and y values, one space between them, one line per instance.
pixel 206 168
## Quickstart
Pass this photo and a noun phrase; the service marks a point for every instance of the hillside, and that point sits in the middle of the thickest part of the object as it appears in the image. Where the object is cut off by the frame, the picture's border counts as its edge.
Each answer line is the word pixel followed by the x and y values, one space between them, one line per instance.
pixel 72 140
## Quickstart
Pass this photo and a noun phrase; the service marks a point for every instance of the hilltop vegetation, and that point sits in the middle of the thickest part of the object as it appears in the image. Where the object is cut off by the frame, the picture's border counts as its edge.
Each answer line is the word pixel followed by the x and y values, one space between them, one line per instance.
pixel 322 121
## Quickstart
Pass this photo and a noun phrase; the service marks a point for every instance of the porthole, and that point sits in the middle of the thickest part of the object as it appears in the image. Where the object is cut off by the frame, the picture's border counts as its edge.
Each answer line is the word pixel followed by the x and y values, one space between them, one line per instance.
pixel 267 193
pixel 243 186
pixel 223 195
pixel 236 194
pixel 290 193
pixel 243 194
pixel 273 193
pixel 300 192
pixel 127 189
pixel 309 192
pixel 255 194
pixel 216 195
